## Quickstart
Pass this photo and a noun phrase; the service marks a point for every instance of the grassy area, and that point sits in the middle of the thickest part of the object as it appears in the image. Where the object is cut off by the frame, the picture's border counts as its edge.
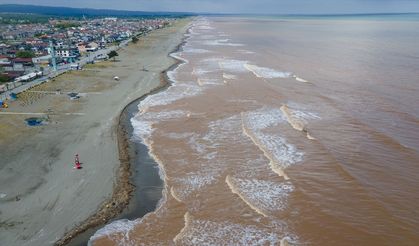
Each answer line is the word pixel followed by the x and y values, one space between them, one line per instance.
pixel 104 64
pixel 16 18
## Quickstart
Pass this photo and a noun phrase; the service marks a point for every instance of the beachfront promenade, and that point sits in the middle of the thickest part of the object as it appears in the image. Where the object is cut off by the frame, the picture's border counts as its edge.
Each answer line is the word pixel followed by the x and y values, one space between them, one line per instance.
pixel 60 70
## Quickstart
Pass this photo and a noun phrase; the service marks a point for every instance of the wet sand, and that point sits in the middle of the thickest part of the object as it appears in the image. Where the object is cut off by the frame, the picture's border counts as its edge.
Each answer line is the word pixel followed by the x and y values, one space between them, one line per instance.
pixel 42 196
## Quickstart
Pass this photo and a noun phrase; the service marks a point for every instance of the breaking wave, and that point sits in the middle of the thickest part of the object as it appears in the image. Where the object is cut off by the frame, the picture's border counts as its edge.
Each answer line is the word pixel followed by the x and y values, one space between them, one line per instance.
pixel 205 232
pixel 280 153
pixel 266 73
pixel 298 119
pixel 262 196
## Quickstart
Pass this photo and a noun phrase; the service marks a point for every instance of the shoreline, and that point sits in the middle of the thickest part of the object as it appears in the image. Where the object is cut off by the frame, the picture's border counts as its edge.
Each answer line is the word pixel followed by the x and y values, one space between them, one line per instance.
pixel 124 188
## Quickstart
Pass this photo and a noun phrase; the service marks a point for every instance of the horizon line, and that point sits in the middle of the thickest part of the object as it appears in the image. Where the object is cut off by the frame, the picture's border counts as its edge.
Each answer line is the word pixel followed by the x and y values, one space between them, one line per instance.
pixel 217 13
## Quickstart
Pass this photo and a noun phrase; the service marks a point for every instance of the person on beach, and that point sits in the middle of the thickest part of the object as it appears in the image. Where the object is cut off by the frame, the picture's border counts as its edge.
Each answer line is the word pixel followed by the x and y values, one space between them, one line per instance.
pixel 77 164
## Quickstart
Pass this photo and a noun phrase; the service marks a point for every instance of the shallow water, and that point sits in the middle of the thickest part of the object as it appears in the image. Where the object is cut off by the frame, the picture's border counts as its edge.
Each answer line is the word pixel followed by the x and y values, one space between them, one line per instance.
pixel 274 131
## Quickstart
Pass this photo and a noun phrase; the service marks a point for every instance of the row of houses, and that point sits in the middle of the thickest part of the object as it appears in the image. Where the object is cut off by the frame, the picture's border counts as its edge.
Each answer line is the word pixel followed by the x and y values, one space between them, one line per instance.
pixel 69 39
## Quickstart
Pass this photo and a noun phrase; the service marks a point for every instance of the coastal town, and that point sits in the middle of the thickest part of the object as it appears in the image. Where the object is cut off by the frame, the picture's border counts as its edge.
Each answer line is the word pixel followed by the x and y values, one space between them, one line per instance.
pixel 41 48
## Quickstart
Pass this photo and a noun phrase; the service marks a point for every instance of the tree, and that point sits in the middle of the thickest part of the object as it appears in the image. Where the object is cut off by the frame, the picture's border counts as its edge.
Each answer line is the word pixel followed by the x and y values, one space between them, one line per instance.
pixel 134 40
pixel 113 54
pixel 4 78
pixel 38 35
pixel 25 54
pixel 65 25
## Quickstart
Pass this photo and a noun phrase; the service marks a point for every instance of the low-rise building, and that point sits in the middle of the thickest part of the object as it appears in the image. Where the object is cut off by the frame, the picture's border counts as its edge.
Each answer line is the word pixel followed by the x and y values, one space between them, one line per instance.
pixel 42 60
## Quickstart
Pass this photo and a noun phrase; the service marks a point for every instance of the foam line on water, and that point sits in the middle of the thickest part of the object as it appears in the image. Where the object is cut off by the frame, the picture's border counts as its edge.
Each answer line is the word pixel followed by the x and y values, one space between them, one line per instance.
pixel 229 76
pixel 279 153
pixel 191 183
pixel 222 42
pixel 233 66
pixel 187 218
pixel 234 190
pixel 296 123
pixel 262 196
pixel 175 195
pixel 248 52
pixel 264 117
pixel 298 119
pixel 205 232
pixel 119 229
pixel 172 94
pixel 299 79
pixel 208 81
pixel 266 73
pixel 143 124
pixel 275 167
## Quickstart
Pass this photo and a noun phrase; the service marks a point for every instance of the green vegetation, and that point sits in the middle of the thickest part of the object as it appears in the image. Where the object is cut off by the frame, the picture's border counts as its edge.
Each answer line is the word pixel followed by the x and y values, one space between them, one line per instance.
pixel 113 54
pixel 25 54
pixel 65 25
pixel 15 18
pixel 3 79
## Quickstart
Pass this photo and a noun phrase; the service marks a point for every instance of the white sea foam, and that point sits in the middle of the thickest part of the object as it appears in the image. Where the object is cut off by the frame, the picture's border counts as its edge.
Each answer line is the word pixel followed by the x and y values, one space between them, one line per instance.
pixel 209 81
pixel 142 128
pixel 261 195
pixel 204 232
pixel 200 71
pixel 221 42
pixel 301 114
pixel 175 135
pixel 299 79
pixel 263 118
pixel 196 51
pixel 142 124
pixel 246 52
pixel 164 115
pixel 224 131
pixel 280 153
pixel 170 95
pixel 298 119
pixel 283 153
pixel 192 182
pixel 172 76
pixel 119 230
pixel 206 37
pixel 210 64
pixel 204 25
pixel 229 76
pixel 2 195
pixel 197 145
pixel 233 66
pixel 267 73
pixel 178 55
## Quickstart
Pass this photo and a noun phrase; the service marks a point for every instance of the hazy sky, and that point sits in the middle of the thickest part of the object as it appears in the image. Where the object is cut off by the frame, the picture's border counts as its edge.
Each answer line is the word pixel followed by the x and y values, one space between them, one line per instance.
pixel 240 6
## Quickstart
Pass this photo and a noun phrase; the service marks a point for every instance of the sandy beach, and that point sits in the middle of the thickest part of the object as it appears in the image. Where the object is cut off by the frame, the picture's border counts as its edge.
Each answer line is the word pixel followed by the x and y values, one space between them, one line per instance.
pixel 42 197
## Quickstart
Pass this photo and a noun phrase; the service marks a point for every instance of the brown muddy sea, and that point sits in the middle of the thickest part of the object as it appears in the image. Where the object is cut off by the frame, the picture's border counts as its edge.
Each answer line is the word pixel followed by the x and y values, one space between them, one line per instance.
pixel 276 131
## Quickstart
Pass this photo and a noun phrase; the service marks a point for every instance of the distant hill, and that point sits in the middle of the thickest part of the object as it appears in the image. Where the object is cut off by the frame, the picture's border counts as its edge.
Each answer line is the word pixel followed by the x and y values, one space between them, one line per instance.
pixel 65 11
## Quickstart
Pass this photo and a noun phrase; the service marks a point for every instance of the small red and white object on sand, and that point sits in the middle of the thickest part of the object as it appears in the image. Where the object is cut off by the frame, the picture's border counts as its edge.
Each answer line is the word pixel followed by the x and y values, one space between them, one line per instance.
pixel 77 164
